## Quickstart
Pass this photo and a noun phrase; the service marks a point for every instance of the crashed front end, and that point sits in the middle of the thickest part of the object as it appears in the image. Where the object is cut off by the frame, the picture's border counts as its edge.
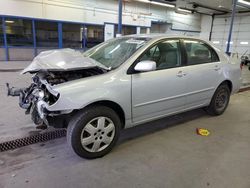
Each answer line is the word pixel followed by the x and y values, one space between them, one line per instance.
pixel 49 69
pixel 36 98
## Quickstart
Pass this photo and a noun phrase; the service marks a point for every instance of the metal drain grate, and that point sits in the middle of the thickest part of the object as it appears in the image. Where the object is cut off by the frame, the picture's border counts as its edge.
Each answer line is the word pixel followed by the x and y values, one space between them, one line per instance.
pixel 244 89
pixel 13 144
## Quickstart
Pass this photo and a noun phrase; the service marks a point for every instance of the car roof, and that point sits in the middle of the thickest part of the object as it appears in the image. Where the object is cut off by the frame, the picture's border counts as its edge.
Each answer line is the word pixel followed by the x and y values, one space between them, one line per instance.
pixel 160 36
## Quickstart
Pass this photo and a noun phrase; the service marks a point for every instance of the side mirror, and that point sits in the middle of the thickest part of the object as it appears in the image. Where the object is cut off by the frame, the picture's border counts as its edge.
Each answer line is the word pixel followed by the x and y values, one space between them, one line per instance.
pixel 145 66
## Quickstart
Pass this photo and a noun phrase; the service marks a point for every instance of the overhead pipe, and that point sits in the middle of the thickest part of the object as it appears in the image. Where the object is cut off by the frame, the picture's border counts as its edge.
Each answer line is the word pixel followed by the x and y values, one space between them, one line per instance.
pixel 231 27
pixel 195 5
pixel 195 11
pixel 243 11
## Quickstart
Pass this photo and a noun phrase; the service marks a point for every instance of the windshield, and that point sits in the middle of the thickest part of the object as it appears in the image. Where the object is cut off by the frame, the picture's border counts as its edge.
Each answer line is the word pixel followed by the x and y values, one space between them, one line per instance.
pixel 115 52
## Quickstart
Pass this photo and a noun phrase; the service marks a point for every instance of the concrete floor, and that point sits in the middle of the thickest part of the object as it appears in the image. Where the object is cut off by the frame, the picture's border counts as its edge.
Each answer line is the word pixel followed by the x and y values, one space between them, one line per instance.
pixel 13 122
pixel 164 153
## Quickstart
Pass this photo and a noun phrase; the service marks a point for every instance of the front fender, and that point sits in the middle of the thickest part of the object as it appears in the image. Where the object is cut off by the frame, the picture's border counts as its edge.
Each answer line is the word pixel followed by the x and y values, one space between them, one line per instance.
pixel 81 93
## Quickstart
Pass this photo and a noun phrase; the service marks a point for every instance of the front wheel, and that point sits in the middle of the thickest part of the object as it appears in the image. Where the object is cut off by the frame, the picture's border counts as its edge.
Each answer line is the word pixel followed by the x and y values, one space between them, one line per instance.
pixel 219 101
pixel 93 132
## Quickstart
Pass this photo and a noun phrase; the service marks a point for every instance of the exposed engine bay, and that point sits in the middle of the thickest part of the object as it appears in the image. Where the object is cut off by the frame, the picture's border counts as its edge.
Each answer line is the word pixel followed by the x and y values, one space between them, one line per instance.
pixel 40 93
pixel 40 90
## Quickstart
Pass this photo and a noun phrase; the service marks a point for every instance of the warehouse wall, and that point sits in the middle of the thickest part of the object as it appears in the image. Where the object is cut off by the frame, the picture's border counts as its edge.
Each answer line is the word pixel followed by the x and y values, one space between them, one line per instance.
pixel 99 12
pixel 240 42
pixel 2 54
pixel 95 17
pixel 206 22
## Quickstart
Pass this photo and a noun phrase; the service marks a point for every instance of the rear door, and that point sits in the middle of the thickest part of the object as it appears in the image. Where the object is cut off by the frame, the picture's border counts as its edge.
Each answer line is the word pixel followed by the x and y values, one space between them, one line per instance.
pixel 160 92
pixel 202 72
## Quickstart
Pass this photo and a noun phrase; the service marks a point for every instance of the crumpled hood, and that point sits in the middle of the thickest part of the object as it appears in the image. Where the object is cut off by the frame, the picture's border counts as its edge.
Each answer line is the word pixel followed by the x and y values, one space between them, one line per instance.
pixel 61 60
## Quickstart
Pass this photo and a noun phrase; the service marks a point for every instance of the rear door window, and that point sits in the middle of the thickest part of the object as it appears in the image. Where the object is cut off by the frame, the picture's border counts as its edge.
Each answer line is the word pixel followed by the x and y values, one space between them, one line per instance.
pixel 199 52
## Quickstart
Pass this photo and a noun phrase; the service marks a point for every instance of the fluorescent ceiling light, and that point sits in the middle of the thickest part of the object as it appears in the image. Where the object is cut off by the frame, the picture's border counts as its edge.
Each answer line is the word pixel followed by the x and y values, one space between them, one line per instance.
pixel 244 2
pixel 144 1
pixel 230 42
pixel 184 10
pixel 163 4
pixel 216 42
pixel 9 21
pixel 157 3
pixel 244 43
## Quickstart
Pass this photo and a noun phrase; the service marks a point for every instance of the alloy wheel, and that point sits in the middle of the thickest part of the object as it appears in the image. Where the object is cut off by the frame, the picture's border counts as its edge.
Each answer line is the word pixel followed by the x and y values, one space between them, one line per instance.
pixel 97 134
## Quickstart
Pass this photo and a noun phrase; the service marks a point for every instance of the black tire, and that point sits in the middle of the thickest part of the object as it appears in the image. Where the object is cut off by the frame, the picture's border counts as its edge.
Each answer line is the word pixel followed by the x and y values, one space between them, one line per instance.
pixel 78 123
pixel 214 108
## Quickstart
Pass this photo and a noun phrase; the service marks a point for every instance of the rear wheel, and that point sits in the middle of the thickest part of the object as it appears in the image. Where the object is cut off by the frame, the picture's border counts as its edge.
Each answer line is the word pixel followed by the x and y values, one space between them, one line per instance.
pixel 92 133
pixel 219 101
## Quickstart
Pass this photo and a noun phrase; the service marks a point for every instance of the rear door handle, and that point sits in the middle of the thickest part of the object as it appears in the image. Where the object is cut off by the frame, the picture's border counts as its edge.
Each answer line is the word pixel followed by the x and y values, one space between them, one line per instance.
pixel 216 68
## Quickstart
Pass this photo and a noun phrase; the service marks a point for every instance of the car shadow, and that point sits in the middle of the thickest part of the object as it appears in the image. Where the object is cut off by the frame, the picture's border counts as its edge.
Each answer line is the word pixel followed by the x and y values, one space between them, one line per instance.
pixel 158 125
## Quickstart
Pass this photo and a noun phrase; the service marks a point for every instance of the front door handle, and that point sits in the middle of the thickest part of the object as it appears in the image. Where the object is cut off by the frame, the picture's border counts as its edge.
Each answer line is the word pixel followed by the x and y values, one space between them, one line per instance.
pixel 181 74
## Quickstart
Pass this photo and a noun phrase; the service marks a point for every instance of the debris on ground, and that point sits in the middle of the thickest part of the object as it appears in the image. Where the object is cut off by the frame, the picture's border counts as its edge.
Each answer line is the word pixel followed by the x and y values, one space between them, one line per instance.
pixel 1 162
pixel 13 175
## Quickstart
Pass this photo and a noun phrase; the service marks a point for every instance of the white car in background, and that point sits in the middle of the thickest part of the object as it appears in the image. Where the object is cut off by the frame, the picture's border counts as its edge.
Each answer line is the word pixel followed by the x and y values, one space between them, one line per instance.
pixel 125 82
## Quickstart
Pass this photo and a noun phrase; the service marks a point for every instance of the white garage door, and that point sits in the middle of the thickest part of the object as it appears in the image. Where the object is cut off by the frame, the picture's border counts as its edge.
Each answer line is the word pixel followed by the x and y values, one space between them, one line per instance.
pixel 240 42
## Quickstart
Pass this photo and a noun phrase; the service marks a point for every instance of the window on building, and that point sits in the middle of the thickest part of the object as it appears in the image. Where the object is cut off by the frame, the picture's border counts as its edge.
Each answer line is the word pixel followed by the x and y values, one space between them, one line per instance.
pixel 129 30
pixel 94 35
pixel 126 30
pixel 46 34
pixel 1 32
pixel 72 36
pixel 19 32
pixel 199 52
pixel 143 30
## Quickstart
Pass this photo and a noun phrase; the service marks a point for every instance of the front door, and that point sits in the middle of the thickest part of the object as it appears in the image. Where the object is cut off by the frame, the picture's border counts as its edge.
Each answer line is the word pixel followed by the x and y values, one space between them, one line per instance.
pixel 160 92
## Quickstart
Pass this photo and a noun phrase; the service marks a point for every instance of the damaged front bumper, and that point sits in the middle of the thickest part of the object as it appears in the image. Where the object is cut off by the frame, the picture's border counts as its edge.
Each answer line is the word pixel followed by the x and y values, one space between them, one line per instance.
pixel 22 93
pixel 50 69
pixel 36 99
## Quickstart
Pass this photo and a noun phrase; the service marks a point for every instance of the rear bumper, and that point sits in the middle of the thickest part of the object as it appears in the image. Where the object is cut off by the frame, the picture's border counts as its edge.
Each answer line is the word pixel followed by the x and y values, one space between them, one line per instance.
pixel 236 86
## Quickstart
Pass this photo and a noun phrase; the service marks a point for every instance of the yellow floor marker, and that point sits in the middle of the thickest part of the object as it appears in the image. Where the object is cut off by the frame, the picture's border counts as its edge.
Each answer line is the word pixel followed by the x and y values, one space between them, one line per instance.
pixel 202 132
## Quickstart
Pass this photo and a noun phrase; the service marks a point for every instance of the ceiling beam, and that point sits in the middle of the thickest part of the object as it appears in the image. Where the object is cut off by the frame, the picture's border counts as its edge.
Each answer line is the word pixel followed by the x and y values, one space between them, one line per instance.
pixel 196 5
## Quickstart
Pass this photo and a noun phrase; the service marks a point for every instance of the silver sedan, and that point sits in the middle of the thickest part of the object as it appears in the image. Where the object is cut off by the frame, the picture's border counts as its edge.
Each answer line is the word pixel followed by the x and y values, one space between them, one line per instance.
pixel 125 82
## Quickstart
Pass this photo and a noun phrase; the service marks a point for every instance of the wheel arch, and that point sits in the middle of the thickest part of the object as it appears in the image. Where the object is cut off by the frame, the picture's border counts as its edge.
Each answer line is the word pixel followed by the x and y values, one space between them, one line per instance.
pixel 113 105
pixel 228 83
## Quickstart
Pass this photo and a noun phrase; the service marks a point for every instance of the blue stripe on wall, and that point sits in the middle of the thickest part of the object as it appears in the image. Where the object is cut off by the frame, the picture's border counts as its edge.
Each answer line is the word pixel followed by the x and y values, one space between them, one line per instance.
pixel 5 40
pixel 60 35
pixel 34 37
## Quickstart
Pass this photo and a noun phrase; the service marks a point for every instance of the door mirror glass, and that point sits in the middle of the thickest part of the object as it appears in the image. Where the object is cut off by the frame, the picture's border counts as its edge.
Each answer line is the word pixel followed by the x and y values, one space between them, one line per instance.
pixel 145 66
